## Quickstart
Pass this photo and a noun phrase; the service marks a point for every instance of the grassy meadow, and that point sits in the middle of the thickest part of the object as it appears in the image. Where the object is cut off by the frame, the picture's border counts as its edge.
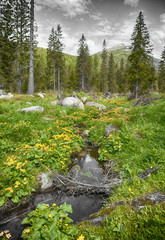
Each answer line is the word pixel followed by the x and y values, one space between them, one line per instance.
pixel 33 143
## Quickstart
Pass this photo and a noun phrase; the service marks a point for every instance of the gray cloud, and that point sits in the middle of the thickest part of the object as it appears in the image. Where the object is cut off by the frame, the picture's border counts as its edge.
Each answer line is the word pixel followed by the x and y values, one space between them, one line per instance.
pixel 132 3
pixel 71 8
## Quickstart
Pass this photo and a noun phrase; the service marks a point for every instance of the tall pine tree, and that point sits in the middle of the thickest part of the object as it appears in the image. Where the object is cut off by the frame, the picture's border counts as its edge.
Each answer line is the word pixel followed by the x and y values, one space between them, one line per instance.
pixel 161 76
pixel 31 62
pixel 104 68
pixel 140 58
pixel 21 37
pixel 112 75
pixel 55 57
pixel 83 65
pixel 7 46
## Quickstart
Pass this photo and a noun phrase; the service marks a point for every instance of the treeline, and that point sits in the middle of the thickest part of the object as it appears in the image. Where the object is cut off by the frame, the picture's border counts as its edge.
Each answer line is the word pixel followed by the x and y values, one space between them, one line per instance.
pixel 55 70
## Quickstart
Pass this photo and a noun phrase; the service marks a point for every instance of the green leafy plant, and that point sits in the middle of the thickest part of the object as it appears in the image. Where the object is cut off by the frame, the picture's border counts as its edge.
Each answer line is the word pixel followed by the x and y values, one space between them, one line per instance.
pixel 49 223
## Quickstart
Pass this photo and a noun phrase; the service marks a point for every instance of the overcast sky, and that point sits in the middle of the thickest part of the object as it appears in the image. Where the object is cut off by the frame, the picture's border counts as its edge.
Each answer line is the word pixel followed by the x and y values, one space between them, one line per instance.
pixel 99 20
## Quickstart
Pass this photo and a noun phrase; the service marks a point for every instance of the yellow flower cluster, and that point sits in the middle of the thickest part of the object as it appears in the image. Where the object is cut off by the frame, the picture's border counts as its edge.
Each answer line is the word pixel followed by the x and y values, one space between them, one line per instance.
pixel 17 183
pixel 9 189
pixel 5 234
pixel 11 160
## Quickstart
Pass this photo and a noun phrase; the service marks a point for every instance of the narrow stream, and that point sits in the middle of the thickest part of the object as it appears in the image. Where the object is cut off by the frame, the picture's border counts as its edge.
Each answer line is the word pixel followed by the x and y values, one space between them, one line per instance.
pixel 85 168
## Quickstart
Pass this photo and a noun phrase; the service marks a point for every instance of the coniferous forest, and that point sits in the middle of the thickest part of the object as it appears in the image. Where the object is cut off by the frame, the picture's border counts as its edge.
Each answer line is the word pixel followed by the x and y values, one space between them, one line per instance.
pixel 82 138
pixel 52 69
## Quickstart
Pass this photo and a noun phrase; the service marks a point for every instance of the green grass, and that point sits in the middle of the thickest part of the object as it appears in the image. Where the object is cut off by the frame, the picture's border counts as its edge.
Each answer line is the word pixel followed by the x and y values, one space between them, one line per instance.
pixel 30 145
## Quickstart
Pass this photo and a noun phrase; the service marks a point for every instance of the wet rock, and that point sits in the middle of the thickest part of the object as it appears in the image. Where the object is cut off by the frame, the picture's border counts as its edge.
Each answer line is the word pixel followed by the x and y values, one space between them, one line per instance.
pixel 109 129
pixel 72 102
pixel 32 109
pixel 7 96
pixel 45 181
pixel 94 104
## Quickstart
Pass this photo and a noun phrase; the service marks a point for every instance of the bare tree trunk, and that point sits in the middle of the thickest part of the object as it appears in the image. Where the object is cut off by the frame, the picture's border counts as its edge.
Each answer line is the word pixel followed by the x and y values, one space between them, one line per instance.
pixel 54 79
pixel 31 65
pixel 59 87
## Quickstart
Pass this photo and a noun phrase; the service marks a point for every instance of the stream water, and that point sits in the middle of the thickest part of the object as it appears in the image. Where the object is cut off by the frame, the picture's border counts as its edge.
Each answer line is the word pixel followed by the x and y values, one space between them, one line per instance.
pixel 83 206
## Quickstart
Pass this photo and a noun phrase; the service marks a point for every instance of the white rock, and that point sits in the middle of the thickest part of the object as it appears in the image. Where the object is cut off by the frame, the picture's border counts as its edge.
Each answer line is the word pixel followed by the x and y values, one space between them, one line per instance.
pixel 45 180
pixel 94 104
pixel 84 99
pixel 7 96
pixel 32 109
pixel 40 95
pixel 55 103
pixel 28 103
pixel 72 102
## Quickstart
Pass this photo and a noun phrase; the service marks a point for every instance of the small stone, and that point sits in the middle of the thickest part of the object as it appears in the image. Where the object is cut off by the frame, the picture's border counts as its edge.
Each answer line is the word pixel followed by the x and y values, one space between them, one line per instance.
pixel 32 109
pixel 55 102
pixel 40 95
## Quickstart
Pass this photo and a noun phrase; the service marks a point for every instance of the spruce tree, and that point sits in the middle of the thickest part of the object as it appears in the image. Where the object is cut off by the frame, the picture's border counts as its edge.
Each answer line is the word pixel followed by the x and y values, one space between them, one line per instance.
pixel 31 62
pixel 7 46
pixel 161 72
pixel 112 75
pixel 51 57
pixel 59 56
pixel 120 80
pixel 55 57
pixel 21 37
pixel 95 81
pixel 140 58
pixel 83 65
pixel 104 68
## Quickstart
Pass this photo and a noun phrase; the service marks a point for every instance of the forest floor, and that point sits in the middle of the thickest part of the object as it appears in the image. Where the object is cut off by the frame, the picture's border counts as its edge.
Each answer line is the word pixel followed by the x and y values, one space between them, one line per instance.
pixel 33 143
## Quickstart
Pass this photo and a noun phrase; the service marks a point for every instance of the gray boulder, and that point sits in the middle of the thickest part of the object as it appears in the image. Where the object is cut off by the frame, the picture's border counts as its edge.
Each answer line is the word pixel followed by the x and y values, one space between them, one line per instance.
pixel 72 102
pixel 94 104
pixel 45 181
pixel 32 109
pixel 109 129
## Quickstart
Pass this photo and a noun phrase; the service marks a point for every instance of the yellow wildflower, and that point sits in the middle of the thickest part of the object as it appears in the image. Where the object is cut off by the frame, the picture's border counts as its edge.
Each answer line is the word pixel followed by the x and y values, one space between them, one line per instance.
pixel 1 234
pixel 10 189
pixel 119 146
pixel 81 238
pixel 27 230
pixel 54 204
pixel 50 215
pixel 22 170
pixel 129 189
pixel 8 235
pixel 114 146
